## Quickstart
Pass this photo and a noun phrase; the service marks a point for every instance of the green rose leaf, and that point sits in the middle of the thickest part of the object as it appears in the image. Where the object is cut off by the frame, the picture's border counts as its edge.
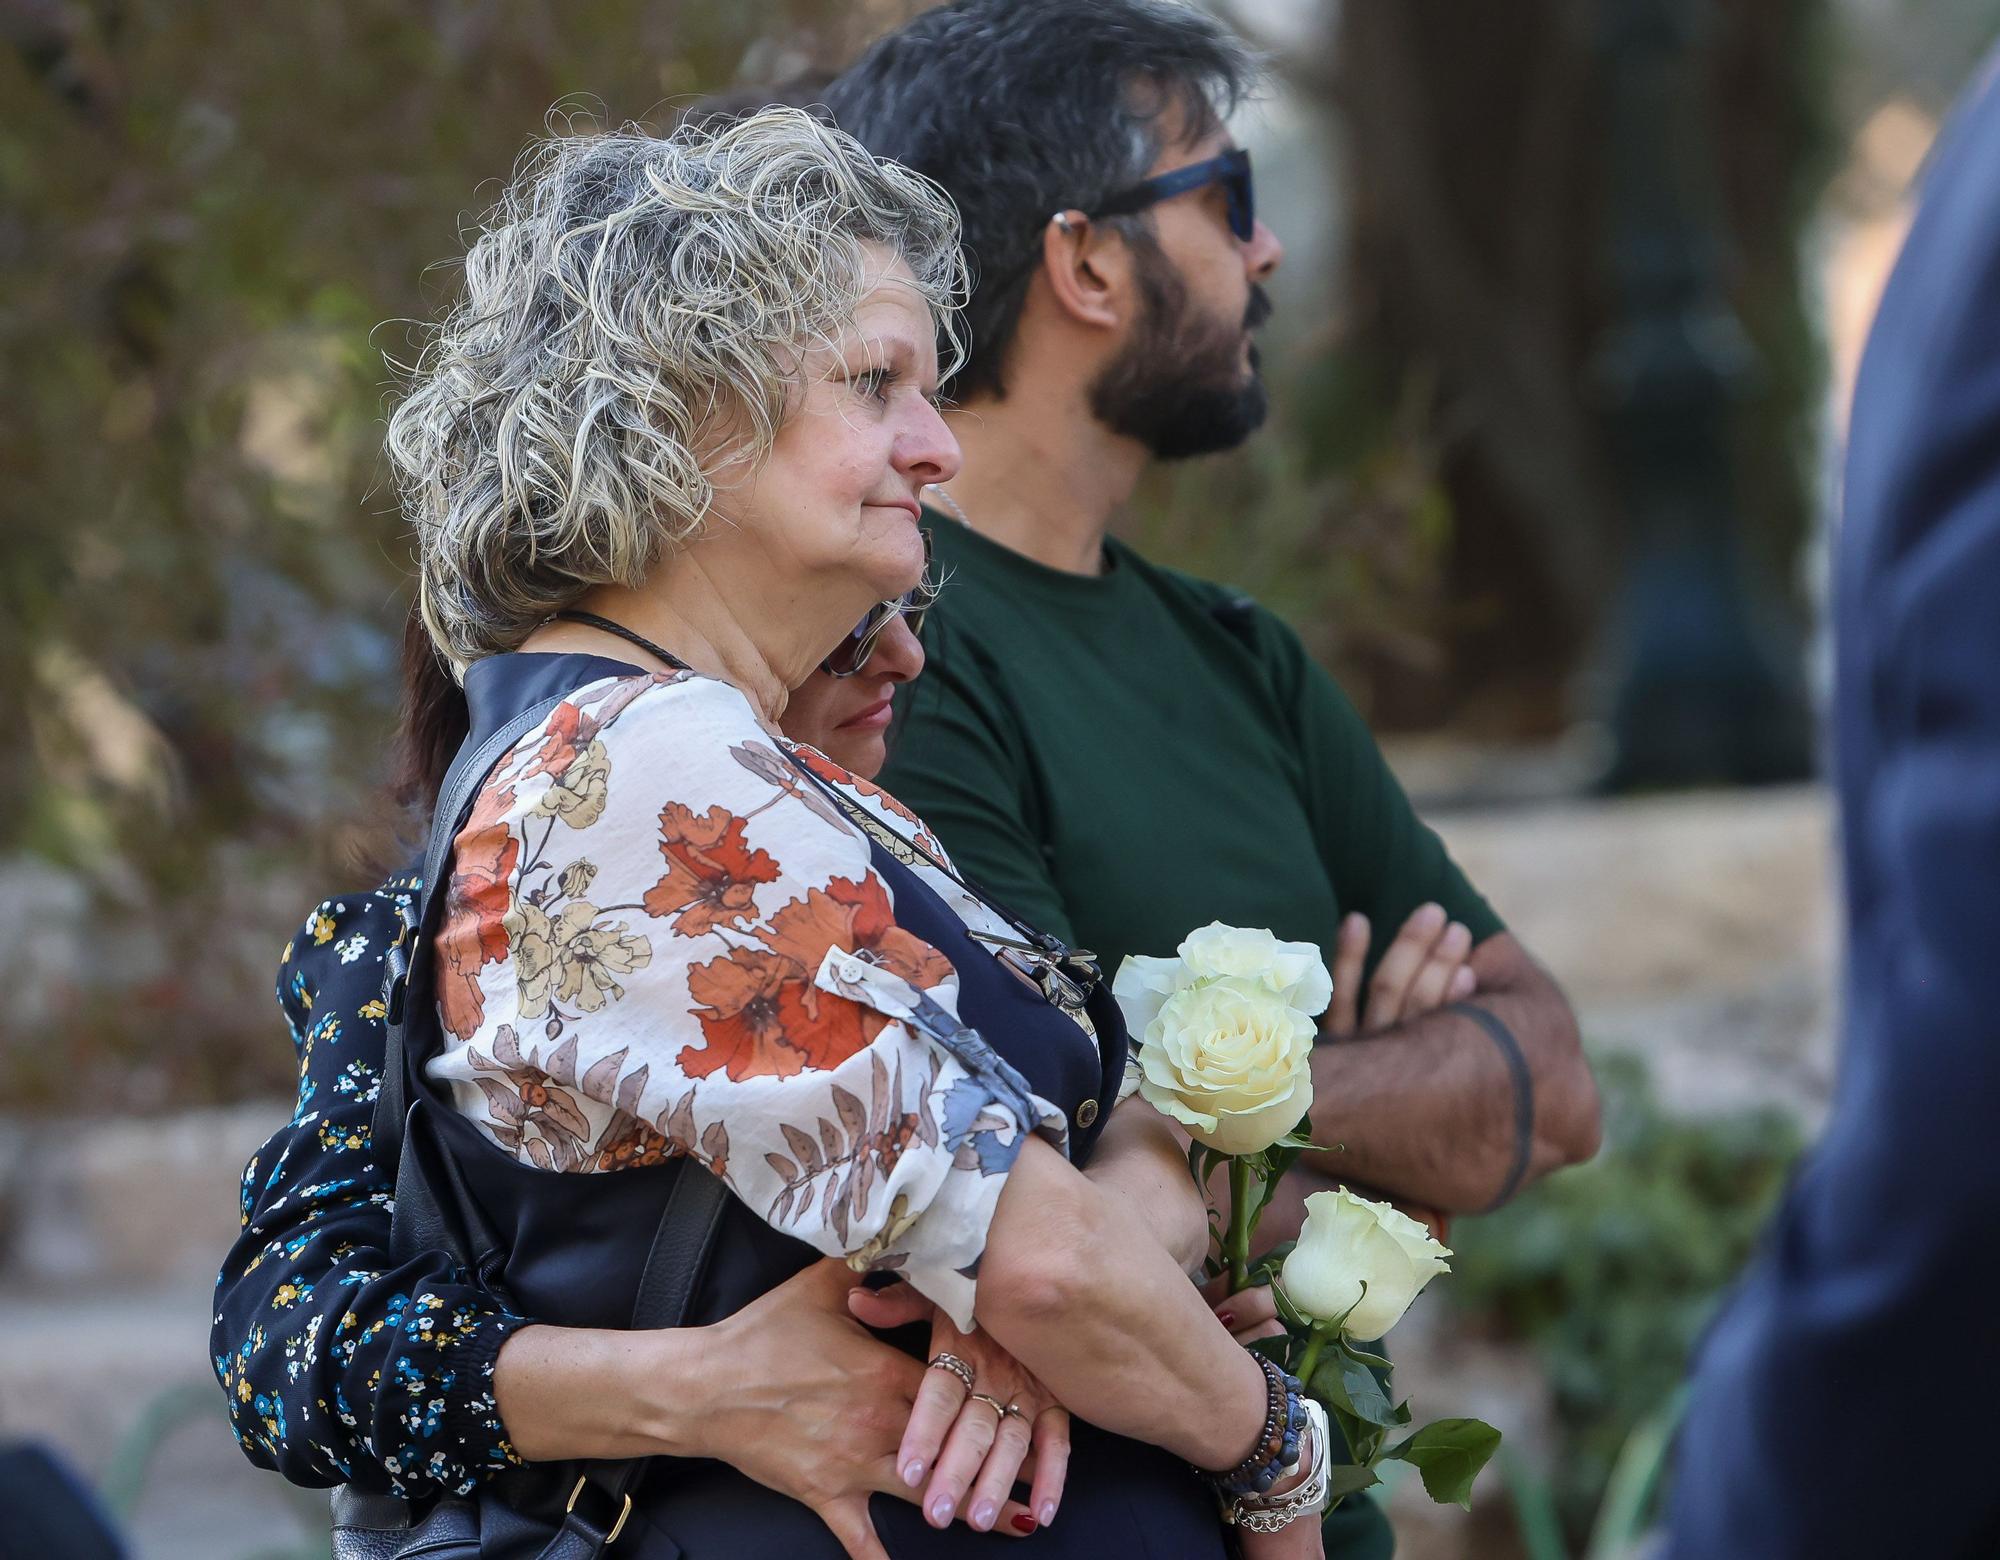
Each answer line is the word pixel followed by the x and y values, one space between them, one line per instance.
pixel 1358 1441
pixel 1352 1432
pixel 1272 1166
pixel 1449 1455
pixel 1343 1380
pixel 1345 1479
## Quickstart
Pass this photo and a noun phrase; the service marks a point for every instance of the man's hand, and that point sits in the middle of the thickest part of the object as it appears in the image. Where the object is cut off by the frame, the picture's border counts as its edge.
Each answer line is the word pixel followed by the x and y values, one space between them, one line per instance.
pixel 1424 969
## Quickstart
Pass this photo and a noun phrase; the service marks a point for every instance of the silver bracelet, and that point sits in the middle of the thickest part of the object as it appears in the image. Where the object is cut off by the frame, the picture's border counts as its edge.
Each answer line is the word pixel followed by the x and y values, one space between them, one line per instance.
pixel 1273 1513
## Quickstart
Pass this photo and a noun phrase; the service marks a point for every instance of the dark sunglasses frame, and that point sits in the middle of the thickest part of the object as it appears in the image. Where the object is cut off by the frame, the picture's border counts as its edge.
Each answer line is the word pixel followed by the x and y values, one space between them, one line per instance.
pixel 1231 170
pixel 850 656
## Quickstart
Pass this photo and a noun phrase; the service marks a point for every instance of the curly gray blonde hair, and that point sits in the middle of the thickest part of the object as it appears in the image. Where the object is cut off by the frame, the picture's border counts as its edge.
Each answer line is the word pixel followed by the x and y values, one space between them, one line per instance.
pixel 629 299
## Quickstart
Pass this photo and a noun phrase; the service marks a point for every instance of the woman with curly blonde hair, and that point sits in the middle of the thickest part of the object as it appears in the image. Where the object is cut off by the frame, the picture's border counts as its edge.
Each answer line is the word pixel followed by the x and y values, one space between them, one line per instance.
pixel 661 458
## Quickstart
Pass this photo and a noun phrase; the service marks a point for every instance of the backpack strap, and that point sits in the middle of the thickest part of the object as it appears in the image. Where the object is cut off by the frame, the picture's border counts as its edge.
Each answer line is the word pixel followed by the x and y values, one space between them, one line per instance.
pixel 411 957
pixel 679 1253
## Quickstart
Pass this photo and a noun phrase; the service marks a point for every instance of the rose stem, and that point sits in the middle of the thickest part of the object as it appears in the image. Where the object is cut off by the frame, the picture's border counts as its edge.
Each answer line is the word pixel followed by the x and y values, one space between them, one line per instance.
pixel 1310 1358
pixel 1239 1224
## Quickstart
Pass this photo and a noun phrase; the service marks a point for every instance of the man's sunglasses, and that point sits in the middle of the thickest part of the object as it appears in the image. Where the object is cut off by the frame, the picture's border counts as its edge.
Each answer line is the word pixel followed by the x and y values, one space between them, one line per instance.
pixel 850 656
pixel 1231 170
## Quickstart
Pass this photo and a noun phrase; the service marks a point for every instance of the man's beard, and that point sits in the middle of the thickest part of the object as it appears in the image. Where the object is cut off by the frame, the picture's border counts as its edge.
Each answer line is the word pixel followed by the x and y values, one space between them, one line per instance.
pixel 1178 385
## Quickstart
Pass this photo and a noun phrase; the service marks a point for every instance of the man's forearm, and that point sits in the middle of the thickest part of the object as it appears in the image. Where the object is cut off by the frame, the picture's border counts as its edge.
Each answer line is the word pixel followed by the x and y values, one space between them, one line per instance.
pixel 1437 1111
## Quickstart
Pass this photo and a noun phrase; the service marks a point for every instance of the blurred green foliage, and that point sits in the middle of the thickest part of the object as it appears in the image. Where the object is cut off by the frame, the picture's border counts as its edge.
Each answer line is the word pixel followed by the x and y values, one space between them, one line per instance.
pixel 1482 195
pixel 1611 1270
pixel 207 212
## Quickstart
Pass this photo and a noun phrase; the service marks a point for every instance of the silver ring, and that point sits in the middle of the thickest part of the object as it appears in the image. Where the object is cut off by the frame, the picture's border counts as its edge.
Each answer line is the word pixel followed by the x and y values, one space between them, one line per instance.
pixel 952 1363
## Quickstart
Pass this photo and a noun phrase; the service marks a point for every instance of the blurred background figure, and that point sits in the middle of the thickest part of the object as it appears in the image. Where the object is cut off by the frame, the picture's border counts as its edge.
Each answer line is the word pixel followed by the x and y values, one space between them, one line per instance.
pixel 1572 303
pixel 1863 1279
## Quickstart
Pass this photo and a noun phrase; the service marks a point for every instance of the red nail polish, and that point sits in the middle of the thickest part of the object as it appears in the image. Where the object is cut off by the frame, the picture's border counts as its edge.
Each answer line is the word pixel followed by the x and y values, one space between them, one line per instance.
pixel 1023 1523
pixel 1227 1318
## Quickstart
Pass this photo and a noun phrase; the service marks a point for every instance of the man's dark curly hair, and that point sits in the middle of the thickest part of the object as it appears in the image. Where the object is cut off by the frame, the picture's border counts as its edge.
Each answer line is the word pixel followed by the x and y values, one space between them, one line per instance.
pixel 1022 108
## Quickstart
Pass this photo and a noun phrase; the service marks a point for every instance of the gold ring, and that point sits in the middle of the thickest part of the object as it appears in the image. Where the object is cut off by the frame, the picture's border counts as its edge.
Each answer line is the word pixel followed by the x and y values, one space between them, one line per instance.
pixel 998 1407
pixel 952 1363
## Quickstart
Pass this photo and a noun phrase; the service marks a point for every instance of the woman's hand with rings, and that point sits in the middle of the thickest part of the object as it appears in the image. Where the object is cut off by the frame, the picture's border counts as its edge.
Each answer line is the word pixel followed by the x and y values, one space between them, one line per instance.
pixel 978 1417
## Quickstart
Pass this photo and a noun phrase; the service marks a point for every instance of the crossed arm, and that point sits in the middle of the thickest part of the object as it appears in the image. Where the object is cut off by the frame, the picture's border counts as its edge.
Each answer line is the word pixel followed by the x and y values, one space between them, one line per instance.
pixel 1428 1110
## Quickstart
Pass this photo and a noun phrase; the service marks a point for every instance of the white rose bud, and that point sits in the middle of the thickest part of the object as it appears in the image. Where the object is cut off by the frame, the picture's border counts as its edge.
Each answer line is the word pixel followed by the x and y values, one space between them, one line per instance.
pixel 1229 1059
pixel 1348 1241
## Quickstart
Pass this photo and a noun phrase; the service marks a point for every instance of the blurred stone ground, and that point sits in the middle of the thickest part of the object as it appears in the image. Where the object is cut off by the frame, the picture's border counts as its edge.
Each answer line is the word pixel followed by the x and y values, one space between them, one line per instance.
pixel 1699 931
pixel 1696 930
pixel 110 1233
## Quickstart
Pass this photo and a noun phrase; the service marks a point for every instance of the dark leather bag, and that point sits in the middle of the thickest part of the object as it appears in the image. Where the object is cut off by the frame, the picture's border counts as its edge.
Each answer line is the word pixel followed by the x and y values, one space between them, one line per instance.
pixel 546 1511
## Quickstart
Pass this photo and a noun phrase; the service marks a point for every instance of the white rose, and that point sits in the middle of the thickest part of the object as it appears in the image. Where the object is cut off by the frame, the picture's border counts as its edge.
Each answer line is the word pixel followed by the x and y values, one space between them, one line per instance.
pixel 1230 1060
pixel 1294 970
pixel 1142 986
pixel 1349 1241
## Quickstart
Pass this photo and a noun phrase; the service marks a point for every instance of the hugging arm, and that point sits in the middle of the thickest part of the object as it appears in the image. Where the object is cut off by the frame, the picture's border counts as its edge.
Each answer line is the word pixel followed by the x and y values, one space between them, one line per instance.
pixel 1141 1166
pixel 311 1308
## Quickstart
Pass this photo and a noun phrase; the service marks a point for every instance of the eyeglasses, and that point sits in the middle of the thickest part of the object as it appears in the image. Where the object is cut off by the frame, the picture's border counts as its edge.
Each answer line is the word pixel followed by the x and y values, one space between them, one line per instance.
pixel 1231 170
pixel 851 655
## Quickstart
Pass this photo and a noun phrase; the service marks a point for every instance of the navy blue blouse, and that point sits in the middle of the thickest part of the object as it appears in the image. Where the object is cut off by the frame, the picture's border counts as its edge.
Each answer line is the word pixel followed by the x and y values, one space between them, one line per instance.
pixel 339 1363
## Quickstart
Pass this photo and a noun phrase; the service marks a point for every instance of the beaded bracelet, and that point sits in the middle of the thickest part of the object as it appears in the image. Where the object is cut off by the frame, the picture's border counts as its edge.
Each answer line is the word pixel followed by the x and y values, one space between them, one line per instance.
pixel 1277 1445
pixel 1275 1513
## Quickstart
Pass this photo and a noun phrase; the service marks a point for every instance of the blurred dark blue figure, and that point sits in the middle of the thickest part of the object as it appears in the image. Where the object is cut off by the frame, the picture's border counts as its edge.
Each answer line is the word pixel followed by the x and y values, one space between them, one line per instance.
pixel 1845 1403
pixel 46 1513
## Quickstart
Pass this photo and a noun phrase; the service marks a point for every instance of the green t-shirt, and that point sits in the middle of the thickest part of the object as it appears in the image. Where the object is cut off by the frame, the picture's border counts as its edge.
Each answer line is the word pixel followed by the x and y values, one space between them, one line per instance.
pixel 1120 759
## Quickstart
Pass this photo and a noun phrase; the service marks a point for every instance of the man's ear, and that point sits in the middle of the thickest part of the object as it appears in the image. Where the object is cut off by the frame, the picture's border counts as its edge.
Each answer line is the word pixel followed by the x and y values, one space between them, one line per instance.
pixel 1089 270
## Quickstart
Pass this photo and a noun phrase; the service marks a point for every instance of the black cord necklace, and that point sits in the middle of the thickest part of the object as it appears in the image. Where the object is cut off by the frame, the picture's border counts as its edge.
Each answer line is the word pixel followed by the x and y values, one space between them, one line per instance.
pixel 630 636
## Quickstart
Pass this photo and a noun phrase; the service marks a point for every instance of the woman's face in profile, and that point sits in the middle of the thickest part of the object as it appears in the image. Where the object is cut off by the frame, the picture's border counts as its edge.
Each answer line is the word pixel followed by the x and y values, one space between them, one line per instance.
pixel 847 718
pixel 830 516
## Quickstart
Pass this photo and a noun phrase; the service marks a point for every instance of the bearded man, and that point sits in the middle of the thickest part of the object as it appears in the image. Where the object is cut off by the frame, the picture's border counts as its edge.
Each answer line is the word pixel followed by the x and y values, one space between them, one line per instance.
pixel 1121 753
